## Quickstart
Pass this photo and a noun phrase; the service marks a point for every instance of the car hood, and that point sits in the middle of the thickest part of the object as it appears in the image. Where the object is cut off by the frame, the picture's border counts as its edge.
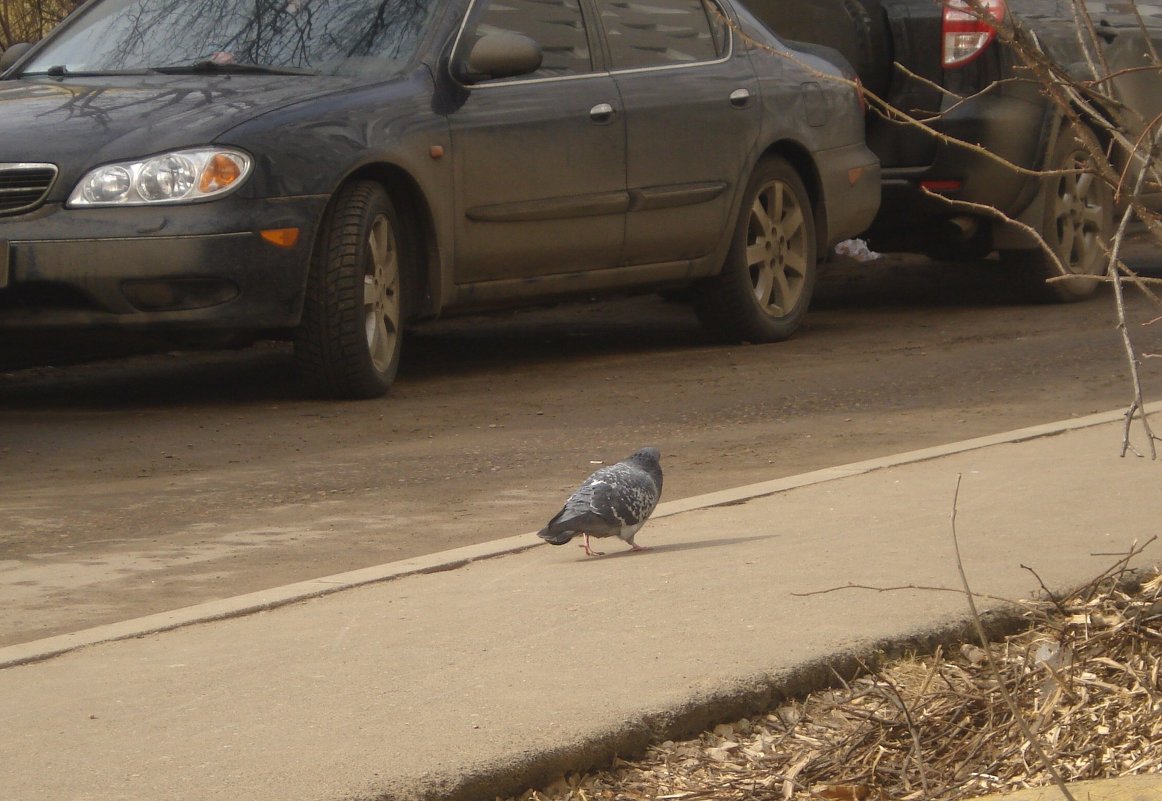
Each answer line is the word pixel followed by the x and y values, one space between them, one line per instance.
pixel 79 122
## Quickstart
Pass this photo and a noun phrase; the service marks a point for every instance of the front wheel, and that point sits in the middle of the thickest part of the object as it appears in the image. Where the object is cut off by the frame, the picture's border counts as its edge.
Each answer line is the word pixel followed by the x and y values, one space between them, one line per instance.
pixel 348 343
pixel 768 277
pixel 1077 225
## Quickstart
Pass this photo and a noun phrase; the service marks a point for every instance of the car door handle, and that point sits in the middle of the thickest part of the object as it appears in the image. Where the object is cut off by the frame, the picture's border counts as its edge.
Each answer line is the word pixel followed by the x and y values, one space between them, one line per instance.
pixel 740 98
pixel 602 112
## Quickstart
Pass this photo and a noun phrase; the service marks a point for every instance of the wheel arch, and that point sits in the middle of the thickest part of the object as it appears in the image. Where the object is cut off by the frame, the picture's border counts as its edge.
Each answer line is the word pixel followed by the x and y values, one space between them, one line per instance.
pixel 419 229
pixel 800 159
pixel 1012 237
pixel 1059 121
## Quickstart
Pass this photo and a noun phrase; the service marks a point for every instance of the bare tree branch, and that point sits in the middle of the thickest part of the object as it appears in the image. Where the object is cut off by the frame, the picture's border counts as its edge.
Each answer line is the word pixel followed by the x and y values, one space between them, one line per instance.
pixel 1034 743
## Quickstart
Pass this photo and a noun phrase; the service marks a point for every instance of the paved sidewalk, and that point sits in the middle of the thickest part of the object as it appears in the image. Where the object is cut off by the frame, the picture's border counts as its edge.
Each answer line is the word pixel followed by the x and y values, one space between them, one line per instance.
pixel 468 677
pixel 1142 787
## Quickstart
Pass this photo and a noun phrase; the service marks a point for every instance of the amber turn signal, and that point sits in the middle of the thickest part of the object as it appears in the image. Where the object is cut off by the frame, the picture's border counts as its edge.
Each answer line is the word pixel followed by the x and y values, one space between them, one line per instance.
pixel 282 237
pixel 220 171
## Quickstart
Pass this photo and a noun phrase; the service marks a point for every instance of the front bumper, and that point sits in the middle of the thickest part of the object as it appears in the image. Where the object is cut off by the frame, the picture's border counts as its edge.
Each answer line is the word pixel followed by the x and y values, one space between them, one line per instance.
pixel 197 267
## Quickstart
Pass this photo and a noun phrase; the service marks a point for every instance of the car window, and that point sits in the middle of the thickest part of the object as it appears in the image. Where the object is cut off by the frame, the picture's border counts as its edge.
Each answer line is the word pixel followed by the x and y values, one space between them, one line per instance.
pixel 556 25
pixel 318 35
pixel 659 33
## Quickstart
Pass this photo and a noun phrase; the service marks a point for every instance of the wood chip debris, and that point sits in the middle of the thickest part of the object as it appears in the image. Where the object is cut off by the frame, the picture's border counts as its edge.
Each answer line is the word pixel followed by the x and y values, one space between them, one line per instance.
pixel 1086 676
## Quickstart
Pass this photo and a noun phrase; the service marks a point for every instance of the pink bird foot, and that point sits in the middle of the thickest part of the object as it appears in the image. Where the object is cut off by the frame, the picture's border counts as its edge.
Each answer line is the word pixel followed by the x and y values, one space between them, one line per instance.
pixel 588 550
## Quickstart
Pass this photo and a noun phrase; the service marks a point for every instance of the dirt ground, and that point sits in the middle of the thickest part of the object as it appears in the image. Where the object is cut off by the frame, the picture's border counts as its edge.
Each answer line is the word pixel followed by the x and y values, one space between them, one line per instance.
pixel 140 484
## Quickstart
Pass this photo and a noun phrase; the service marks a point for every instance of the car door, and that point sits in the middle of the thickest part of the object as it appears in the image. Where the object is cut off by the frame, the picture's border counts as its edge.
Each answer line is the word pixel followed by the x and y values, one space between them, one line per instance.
pixel 539 159
pixel 692 117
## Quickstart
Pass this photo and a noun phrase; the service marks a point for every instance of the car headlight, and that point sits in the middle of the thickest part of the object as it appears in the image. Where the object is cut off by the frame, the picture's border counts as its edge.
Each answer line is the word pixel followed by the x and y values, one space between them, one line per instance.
pixel 178 177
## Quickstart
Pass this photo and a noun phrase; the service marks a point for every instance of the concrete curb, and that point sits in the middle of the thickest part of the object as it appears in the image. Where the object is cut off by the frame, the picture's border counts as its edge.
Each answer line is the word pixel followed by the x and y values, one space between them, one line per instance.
pixel 38 650
pixel 741 698
pixel 1142 787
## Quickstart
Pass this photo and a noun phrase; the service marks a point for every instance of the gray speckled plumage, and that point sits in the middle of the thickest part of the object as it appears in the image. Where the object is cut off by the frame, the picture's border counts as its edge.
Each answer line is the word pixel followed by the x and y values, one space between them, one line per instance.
pixel 615 501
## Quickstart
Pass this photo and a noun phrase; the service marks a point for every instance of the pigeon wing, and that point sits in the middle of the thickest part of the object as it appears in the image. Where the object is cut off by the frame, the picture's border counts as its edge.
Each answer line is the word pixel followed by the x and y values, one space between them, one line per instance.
pixel 623 494
pixel 614 501
pixel 629 497
pixel 582 514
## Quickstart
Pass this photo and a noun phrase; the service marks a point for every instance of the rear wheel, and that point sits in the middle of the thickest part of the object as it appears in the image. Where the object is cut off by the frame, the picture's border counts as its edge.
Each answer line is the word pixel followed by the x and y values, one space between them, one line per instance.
pixel 768 277
pixel 348 343
pixel 1077 224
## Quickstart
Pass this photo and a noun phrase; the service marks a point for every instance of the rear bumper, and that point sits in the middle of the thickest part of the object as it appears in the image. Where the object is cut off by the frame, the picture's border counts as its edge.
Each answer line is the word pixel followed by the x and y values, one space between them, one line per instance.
pixel 850 178
pixel 198 267
pixel 1013 129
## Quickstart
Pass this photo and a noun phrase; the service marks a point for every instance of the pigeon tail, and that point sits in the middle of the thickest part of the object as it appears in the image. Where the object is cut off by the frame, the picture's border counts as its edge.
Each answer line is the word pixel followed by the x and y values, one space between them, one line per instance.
pixel 561 529
pixel 557 536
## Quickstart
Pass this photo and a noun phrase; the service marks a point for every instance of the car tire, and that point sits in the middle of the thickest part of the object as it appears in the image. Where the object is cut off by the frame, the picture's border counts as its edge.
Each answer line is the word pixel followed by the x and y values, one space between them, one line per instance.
pixel 348 343
pixel 1077 223
pixel 868 52
pixel 768 276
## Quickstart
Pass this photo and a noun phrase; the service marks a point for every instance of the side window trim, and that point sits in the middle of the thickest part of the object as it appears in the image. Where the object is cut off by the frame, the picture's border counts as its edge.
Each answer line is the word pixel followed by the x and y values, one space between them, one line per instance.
pixel 727 22
pixel 597 38
pixel 722 17
pixel 598 41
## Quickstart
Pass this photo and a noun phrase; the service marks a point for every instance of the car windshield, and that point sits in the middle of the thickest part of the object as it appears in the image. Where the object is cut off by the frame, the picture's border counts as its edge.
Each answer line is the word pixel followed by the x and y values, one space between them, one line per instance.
pixel 227 36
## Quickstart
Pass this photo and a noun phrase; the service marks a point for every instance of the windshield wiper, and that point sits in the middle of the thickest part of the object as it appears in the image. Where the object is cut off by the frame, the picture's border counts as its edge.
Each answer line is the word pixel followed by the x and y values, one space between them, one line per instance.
pixel 61 71
pixel 213 67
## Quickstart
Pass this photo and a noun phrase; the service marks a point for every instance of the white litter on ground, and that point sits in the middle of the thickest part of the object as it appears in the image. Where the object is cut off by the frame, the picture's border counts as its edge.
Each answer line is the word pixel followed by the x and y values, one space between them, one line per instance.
pixel 857 249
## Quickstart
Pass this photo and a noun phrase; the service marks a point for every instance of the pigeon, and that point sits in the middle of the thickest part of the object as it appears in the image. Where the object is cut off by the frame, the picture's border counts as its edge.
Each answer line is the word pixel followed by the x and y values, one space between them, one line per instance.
pixel 615 501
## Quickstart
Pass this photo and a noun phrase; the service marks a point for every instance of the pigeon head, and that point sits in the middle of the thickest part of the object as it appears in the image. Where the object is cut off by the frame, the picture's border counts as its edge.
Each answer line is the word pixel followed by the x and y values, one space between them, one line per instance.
pixel 649 459
pixel 646 456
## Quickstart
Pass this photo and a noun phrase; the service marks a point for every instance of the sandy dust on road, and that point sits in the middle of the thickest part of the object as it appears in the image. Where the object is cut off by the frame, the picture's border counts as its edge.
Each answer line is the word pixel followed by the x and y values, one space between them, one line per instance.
pixel 153 482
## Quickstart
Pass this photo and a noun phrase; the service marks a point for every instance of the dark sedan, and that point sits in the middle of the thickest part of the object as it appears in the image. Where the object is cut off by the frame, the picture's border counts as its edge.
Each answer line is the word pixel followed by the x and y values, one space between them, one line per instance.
pixel 334 170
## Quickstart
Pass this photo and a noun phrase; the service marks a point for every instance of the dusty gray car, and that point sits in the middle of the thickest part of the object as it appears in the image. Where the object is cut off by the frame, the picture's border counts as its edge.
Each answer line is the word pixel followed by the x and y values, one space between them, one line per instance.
pixel 334 171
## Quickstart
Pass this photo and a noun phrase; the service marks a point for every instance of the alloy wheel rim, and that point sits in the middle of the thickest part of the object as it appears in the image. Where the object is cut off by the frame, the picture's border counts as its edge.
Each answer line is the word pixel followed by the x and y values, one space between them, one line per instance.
pixel 776 249
pixel 381 300
pixel 1078 214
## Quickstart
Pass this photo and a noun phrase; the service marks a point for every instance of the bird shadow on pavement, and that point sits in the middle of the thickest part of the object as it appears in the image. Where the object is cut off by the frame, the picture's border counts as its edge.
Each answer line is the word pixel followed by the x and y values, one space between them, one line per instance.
pixel 680 546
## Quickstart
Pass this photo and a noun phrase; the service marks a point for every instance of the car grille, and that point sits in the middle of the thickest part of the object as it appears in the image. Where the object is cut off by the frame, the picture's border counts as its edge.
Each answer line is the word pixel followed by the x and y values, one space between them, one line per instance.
pixel 24 186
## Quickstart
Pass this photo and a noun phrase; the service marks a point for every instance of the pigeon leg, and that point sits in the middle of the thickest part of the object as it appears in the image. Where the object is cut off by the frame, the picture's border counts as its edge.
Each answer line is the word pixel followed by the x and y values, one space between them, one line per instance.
pixel 588 550
pixel 637 547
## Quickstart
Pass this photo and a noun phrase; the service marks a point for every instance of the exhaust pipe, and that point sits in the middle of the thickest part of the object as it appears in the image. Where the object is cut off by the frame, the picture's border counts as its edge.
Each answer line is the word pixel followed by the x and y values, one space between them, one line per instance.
pixel 963 228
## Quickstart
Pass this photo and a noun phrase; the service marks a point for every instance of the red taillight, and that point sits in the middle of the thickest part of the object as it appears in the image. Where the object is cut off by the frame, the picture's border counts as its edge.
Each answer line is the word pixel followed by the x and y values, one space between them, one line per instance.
pixel 951 185
pixel 965 34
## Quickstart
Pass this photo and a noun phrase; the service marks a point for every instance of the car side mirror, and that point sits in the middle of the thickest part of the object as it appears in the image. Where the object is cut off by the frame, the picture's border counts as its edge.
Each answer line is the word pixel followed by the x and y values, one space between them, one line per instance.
pixel 13 54
pixel 499 55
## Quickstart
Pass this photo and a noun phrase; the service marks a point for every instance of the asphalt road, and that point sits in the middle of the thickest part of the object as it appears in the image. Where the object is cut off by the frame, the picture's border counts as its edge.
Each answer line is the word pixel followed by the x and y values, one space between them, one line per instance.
pixel 139 484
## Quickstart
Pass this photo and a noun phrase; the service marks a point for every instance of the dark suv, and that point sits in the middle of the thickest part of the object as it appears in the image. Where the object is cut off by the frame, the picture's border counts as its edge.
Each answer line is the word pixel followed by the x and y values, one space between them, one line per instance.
pixel 953 73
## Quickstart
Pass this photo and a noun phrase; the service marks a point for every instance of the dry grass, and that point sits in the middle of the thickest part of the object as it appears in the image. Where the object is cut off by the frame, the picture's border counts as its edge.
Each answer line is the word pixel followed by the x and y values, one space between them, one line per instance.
pixel 1085 676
